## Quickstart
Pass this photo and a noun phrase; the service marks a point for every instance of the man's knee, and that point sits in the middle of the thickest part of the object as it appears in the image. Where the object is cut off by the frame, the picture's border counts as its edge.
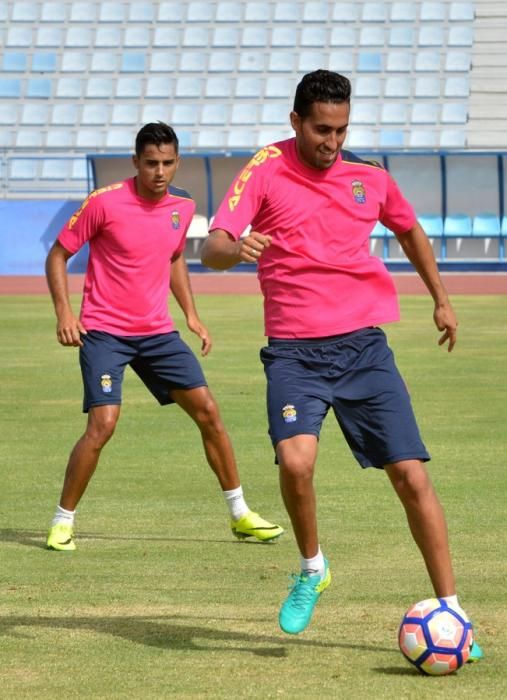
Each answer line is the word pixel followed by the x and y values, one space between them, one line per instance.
pixel 101 427
pixel 410 478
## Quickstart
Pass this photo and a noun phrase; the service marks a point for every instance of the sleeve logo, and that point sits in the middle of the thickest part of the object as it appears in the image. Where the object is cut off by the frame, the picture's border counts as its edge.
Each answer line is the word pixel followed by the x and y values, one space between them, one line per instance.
pixel 258 159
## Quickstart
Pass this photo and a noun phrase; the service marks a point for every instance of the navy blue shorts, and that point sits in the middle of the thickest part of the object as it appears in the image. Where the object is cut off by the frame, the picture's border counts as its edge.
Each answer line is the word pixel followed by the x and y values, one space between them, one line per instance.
pixel 355 374
pixel 163 362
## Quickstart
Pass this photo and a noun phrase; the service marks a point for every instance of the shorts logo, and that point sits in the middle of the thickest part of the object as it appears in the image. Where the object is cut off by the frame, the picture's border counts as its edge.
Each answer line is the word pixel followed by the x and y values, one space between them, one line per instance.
pixel 358 191
pixel 289 414
pixel 106 383
pixel 175 218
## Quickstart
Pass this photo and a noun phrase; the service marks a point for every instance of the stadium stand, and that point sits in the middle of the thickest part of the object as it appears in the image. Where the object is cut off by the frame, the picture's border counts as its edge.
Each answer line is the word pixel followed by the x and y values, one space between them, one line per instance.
pixel 79 78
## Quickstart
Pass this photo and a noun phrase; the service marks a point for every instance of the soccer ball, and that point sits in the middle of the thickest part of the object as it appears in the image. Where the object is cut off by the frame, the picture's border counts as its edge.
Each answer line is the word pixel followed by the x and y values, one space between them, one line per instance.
pixel 435 637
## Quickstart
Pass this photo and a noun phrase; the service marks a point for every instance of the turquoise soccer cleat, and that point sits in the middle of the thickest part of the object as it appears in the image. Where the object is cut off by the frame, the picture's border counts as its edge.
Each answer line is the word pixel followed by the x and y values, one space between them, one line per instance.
pixel 296 611
pixel 476 654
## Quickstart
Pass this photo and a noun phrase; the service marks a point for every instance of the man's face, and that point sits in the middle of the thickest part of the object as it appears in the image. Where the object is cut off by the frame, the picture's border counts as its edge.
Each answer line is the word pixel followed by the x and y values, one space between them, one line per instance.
pixel 320 135
pixel 156 168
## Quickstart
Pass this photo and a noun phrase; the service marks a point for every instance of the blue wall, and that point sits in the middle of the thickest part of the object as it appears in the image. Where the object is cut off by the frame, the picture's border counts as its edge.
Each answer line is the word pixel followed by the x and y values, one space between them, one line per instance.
pixel 28 228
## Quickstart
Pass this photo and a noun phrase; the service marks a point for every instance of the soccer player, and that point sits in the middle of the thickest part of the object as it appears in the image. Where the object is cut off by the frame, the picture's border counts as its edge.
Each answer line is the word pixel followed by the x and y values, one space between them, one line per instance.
pixel 136 232
pixel 312 207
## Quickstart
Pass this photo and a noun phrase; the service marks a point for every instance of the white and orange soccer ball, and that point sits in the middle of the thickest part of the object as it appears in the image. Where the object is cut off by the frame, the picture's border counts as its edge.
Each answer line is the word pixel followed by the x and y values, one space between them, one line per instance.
pixel 435 637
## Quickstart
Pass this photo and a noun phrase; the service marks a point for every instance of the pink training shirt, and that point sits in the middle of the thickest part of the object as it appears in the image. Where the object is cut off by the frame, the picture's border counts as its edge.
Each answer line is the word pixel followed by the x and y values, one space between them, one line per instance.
pixel 317 277
pixel 132 244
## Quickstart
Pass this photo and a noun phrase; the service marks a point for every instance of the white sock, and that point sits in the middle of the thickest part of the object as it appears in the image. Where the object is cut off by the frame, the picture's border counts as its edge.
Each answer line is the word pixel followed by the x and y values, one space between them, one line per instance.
pixel 63 516
pixel 314 565
pixel 236 503
pixel 452 601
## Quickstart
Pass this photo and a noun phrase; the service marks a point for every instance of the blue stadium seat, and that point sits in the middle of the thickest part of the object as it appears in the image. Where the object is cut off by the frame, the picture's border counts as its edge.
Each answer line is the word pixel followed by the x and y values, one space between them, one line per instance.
pixel 159 86
pixel 341 61
pixel 278 87
pixel 124 114
pixel 129 87
pixel 54 169
pixel 461 12
pixel 25 12
pixel 108 36
pixel 427 61
pixel 369 62
pixel 315 12
pixel 83 11
pixel 89 138
pixel 79 169
pixel 22 169
pixel 64 114
pixel 119 138
pixel 371 36
pixel 460 36
pixel 208 138
pixel 52 12
pixel 188 87
pixel 422 138
pixel 343 36
pixel 103 62
pixel 59 138
pixel 199 12
pixel 433 224
pixel 314 36
pixel 74 62
pixel 133 62
pixel 164 62
pixel 267 136
pixel 28 138
pixel 101 88
pixel 254 36
pixel 457 86
pixel 214 114
pixel 228 12
pixel 364 113
pixel 281 62
pixel 274 113
pixel 425 113
pixel 427 86
pixel 393 113
pixel 170 12
pixel 241 138
pixel 283 37
pixel 247 86
pixel 15 61
pixel 218 87
pixel 361 138
pixel 69 87
pixel 345 12
pixel 458 61
pixel 78 37
pixel 166 36
pixel 257 12
pixel 458 225
pixel 157 112
pixel 8 113
pixel 374 12
pixel 35 113
pixel 251 62
pixel 286 12
pixel 111 12
pixel 403 12
pixel 454 113
pixel 432 11
pixel 486 224
pixel 367 86
pixel 225 36
pixel 220 62
pixel 48 36
pixel 19 36
pixel 195 37
pixel 397 86
pixel 310 61
pixel 399 61
pixel 401 36
pixel 137 37
pixel 244 113
pixel 431 35
pixel 39 88
pixel 140 12
pixel 44 62
pixel 391 138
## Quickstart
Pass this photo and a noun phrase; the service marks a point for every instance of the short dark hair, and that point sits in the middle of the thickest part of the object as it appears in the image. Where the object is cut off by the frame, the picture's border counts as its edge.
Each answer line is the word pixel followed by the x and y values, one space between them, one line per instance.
pixel 155 134
pixel 320 86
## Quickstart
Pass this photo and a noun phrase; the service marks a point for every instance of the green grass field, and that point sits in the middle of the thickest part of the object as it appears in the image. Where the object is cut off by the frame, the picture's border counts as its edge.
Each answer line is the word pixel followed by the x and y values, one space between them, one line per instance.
pixel 159 601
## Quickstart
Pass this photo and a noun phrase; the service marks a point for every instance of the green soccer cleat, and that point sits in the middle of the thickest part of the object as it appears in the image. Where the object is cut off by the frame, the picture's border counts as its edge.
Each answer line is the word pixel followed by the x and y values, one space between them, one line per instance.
pixel 252 525
pixel 61 538
pixel 297 609
pixel 476 654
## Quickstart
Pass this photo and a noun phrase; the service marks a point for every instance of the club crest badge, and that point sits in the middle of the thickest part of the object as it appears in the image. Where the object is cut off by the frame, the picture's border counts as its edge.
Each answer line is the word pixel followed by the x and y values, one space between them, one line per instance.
pixel 358 191
pixel 175 219
pixel 106 383
pixel 289 413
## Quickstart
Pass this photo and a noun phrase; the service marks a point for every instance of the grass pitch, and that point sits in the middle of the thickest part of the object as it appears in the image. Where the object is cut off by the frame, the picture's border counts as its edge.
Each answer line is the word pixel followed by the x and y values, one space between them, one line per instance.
pixel 159 601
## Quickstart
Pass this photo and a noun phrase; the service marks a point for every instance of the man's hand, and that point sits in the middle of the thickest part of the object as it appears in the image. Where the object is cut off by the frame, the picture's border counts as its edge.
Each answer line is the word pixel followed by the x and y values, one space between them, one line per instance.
pixel 252 246
pixel 445 320
pixel 199 329
pixel 69 330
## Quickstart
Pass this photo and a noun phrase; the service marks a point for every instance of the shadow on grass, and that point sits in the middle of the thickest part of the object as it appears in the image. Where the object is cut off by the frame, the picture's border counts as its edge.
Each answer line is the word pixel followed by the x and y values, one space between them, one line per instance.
pixel 398 671
pixel 37 538
pixel 163 632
